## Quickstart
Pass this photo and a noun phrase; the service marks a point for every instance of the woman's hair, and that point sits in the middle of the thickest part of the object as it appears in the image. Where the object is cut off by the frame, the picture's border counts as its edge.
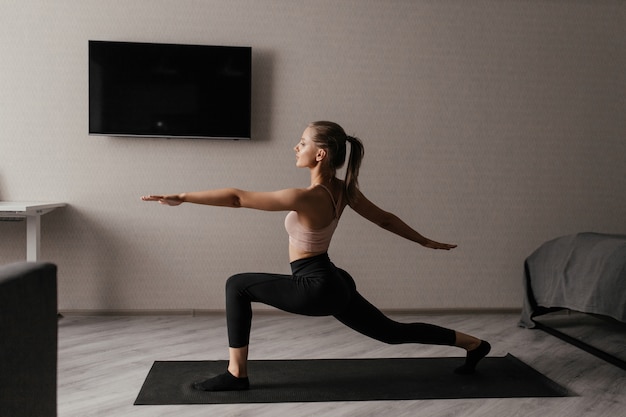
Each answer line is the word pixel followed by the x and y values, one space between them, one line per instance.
pixel 332 138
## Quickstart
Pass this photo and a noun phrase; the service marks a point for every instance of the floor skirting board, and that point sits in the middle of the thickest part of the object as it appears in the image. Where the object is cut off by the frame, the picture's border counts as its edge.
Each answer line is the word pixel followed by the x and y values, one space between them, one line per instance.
pixel 270 311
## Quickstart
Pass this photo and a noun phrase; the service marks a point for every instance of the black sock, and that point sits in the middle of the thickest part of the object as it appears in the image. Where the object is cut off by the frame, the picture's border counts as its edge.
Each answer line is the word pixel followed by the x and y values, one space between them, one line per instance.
pixel 223 382
pixel 473 357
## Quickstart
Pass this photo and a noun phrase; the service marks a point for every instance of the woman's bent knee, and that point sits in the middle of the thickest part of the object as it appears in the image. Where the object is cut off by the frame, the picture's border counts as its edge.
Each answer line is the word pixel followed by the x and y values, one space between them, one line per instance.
pixel 234 283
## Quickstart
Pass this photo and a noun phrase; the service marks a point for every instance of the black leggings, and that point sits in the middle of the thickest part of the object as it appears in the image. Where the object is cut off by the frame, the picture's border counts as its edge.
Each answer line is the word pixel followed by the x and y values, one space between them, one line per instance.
pixel 318 288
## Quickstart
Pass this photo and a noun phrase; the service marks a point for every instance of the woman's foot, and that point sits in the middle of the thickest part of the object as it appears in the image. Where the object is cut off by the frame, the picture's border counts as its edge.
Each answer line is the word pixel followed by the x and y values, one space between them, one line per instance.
pixel 223 382
pixel 473 357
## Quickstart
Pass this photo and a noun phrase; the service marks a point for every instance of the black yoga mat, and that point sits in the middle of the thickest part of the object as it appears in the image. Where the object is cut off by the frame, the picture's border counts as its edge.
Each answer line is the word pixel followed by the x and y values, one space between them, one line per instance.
pixel 319 380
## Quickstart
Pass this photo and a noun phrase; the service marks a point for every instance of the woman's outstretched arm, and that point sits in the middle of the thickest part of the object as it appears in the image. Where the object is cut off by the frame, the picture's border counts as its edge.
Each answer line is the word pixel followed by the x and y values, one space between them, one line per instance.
pixel 226 197
pixel 393 223
pixel 282 200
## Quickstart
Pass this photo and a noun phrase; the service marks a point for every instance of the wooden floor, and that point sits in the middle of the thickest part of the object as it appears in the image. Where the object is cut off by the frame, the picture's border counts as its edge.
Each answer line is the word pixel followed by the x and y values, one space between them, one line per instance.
pixel 104 360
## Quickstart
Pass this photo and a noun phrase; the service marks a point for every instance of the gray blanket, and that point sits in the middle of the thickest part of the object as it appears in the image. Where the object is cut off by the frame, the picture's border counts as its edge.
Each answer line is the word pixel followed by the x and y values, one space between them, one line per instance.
pixel 585 272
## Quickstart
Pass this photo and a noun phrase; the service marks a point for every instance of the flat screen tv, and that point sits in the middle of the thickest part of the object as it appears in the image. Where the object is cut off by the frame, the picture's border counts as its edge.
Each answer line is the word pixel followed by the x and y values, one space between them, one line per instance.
pixel 169 90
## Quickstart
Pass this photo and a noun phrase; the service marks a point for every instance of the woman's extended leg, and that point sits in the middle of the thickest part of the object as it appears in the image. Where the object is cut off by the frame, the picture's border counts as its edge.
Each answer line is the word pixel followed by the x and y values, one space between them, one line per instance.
pixel 366 319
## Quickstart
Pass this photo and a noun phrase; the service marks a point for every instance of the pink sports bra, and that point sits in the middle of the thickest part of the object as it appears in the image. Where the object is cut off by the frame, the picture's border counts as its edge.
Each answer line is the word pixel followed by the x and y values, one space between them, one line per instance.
pixel 311 240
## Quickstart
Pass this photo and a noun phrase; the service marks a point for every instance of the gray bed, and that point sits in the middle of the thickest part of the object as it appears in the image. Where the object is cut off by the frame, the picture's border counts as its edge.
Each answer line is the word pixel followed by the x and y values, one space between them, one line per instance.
pixel 585 272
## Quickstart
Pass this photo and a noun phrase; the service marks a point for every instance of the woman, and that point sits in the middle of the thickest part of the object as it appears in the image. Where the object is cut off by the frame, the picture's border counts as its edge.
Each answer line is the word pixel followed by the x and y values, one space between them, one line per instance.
pixel 316 287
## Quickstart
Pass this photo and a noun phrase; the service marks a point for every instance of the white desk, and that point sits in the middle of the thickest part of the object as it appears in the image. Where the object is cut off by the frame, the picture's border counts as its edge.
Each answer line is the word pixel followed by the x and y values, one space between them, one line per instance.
pixel 32 212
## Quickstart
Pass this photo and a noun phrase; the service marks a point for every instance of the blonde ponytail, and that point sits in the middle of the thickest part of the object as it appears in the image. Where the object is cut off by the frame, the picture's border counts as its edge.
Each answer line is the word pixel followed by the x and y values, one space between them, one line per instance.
pixel 354 164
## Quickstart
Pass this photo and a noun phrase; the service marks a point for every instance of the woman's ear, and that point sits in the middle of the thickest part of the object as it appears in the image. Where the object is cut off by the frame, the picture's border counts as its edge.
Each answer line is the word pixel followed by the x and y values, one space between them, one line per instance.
pixel 321 154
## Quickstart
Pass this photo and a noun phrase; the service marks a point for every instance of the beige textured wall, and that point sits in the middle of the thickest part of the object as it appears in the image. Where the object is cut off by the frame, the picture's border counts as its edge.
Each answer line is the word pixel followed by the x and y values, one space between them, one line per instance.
pixel 494 124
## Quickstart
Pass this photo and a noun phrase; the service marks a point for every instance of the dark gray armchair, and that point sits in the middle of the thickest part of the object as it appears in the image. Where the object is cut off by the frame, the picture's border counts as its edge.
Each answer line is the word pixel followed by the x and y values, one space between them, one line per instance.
pixel 28 339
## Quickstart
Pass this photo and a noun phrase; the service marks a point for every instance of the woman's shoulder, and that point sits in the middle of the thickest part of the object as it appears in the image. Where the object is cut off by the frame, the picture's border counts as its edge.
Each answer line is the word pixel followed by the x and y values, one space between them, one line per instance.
pixel 318 191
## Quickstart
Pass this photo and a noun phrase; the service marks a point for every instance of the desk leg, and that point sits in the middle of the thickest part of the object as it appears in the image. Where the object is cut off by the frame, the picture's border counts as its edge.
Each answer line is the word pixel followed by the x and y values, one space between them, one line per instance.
pixel 33 238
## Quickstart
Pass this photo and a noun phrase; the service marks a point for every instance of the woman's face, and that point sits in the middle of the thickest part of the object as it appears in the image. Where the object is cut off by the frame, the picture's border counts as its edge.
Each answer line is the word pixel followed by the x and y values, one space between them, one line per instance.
pixel 306 150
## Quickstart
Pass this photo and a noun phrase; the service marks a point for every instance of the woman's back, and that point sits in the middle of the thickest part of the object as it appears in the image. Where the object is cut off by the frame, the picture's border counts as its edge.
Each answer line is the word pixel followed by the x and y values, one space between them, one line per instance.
pixel 310 230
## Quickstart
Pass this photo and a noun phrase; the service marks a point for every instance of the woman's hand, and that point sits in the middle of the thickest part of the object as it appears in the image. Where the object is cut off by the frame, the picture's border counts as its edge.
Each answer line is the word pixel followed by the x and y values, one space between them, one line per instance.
pixel 437 245
pixel 168 200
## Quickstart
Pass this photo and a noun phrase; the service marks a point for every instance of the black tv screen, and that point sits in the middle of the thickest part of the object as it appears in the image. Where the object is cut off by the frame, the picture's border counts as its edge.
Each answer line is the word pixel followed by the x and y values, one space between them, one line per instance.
pixel 169 90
